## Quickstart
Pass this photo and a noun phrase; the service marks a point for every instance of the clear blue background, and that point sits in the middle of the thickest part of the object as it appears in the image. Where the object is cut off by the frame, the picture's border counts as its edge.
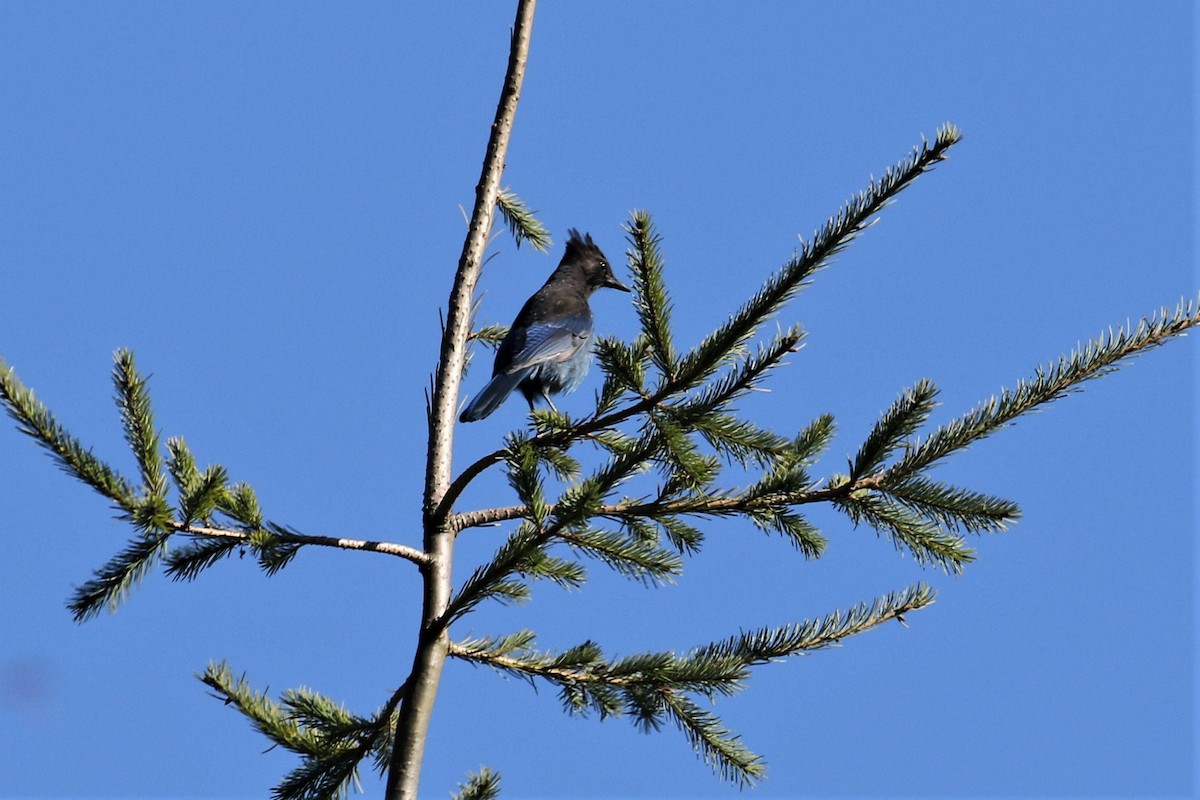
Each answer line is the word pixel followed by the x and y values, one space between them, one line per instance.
pixel 262 200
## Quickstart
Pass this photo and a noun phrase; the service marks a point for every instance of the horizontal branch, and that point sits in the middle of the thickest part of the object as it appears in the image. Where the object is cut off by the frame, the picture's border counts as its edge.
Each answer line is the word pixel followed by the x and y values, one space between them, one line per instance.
pixel 655 687
pixel 390 548
pixel 702 506
pixel 718 666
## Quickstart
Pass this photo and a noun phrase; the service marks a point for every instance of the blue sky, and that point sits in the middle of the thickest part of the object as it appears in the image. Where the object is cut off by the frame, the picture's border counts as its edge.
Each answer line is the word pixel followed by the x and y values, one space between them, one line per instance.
pixel 262 200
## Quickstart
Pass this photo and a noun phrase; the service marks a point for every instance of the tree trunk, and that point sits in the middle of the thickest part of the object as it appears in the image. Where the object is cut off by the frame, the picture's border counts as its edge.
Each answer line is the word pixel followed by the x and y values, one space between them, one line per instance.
pixel 404 770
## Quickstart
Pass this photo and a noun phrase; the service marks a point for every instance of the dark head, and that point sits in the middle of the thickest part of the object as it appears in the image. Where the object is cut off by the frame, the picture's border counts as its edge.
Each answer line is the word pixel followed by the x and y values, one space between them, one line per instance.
pixel 584 256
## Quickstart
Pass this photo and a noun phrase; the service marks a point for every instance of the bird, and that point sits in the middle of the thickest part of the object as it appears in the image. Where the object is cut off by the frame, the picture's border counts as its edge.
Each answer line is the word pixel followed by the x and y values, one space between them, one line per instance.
pixel 548 348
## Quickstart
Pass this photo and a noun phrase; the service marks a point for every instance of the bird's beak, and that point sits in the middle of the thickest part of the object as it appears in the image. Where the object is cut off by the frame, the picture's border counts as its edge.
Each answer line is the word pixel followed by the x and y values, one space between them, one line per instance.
pixel 613 283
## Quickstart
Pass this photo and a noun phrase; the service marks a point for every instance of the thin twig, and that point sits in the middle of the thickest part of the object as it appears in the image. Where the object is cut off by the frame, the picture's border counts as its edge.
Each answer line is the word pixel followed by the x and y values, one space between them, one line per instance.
pixel 497 661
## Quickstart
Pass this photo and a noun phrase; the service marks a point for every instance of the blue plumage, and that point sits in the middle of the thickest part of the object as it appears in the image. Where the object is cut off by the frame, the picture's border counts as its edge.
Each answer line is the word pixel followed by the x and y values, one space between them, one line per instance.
pixel 548 349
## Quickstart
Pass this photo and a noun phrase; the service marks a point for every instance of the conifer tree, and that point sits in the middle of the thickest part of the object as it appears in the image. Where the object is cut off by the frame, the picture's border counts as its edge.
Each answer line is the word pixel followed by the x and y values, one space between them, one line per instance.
pixel 633 485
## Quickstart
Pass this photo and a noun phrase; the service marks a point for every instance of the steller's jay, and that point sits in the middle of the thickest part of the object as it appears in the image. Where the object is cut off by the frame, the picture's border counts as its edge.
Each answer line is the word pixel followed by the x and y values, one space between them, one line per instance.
pixel 548 349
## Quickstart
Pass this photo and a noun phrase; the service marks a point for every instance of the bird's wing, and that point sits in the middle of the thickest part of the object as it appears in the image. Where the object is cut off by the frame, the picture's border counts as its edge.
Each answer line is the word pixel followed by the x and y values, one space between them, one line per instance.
pixel 552 341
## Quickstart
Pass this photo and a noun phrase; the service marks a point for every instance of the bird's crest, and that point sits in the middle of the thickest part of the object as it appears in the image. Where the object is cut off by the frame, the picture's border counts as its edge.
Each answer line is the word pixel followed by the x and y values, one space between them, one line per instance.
pixel 579 245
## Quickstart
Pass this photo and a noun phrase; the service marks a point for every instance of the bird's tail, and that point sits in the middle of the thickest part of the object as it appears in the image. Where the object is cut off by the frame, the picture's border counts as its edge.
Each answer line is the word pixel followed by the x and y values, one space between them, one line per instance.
pixel 495 393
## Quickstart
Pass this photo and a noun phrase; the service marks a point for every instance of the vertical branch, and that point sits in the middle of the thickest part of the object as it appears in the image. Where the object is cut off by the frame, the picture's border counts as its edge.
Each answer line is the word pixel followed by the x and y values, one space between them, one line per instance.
pixel 458 316
pixel 404 770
